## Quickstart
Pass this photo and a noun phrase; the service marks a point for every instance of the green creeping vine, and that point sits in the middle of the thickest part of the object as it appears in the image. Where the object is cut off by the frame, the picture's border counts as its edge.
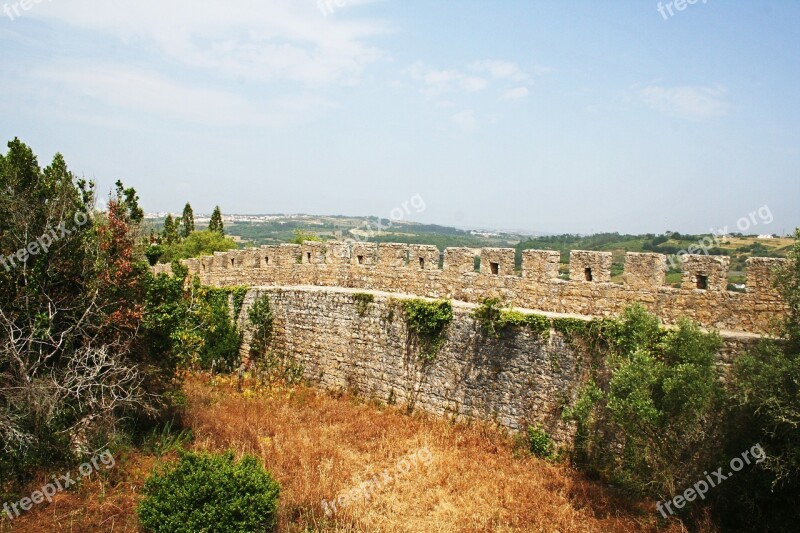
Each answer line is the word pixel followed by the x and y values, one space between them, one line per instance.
pixel 493 319
pixel 427 321
pixel 362 301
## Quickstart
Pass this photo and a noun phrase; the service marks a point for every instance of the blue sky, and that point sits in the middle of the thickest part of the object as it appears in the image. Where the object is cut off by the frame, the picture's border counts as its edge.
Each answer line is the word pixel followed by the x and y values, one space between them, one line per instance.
pixel 544 116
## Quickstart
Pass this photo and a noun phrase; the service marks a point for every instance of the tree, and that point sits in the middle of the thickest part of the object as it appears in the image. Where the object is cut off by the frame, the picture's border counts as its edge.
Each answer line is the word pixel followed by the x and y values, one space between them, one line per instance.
pixel 215 224
pixel 187 221
pixel 70 306
pixel 170 233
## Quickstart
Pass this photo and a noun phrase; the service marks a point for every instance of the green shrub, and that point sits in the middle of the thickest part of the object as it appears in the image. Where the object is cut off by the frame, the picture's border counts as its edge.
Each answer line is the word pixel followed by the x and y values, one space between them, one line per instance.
pixel 260 317
pixel 362 301
pixel 655 394
pixel 539 443
pixel 427 322
pixel 494 320
pixel 210 493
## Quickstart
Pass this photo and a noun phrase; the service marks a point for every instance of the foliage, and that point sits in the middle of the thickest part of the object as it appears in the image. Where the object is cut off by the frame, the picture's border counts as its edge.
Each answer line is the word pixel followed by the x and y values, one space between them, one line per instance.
pixel 170 233
pixel 72 370
pixel 427 322
pixel 494 320
pixel 197 244
pixel 189 324
pixel 765 389
pixel 302 236
pixel 656 396
pixel 261 320
pixel 540 443
pixel 215 224
pixel 210 492
pixel 187 221
pixel 362 301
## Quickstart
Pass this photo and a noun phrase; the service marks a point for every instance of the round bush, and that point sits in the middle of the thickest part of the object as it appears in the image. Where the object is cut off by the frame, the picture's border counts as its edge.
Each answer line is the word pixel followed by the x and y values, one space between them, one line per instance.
pixel 208 493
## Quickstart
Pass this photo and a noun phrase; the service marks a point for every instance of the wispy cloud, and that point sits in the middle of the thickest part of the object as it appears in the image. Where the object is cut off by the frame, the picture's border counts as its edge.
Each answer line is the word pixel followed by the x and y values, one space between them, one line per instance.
pixel 143 91
pixel 690 102
pixel 516 93
pixel 501 70
pixel 465 120
pixel 279 40
pixel 436 82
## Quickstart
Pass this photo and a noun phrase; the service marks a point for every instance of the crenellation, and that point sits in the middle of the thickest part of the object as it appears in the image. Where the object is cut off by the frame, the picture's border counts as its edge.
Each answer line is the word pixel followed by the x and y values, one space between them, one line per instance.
pixel 364 253
pixel 497 261
pixel 459 260
pixel 705 272
pixel 590 266
pixel 423 257
pixel 392 255
pixel 384 268
pixel 313 252
pixel 761 275
pixel 645 270
pixel 540 265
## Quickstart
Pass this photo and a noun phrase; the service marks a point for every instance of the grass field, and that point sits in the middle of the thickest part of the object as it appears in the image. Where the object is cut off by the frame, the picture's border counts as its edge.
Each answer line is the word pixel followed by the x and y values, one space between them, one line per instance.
pixel 319 445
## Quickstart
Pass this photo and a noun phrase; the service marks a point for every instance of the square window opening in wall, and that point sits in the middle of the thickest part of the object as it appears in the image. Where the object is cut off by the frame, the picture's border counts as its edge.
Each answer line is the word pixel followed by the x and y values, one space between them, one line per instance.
pixel 266 260
pixel 360 259
pixel 422 262
pixel 233 262
pixel 308 256
pixel 587 274
pixel 701 281
pixel 494 268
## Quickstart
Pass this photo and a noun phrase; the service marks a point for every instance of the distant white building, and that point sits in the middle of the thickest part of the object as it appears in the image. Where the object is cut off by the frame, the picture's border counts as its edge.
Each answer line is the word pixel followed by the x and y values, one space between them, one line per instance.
pixel 766 237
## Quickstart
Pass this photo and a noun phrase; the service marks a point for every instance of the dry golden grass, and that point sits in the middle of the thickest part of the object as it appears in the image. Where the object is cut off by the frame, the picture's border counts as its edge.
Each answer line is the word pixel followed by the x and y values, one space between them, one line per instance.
pixel 318 446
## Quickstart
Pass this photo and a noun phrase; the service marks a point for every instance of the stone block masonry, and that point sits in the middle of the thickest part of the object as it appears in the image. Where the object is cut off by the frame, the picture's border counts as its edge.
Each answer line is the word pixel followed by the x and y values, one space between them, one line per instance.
pixel 414 269
pixel 519 379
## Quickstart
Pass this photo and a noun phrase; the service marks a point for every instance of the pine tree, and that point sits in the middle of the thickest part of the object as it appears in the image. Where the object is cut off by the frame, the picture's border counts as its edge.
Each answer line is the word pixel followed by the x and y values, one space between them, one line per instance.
pixel 216 222
pixel 170 233
pixel 188 221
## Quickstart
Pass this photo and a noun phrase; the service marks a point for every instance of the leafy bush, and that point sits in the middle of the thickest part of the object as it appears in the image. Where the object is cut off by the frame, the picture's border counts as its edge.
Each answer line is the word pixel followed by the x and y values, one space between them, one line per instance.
pixel 210 493
pixel 362 301
pixel 656 397
pixel 198 243
pixel 539 443
pixel 493 319
pixel 427 322
pixel 261 319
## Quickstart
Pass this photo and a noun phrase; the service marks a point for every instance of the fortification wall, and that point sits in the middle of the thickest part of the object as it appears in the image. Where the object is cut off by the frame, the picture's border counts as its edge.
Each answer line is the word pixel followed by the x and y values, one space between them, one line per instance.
pixel 519 379
pixel 414 269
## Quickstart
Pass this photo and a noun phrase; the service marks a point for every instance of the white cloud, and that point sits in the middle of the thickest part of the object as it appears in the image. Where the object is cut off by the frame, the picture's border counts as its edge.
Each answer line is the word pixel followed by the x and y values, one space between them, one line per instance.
pixel 500 69
pixel 466 120
pixel 147 92
pixel 516 93
pixel 691 102
pixel 279 40
pixel 436 82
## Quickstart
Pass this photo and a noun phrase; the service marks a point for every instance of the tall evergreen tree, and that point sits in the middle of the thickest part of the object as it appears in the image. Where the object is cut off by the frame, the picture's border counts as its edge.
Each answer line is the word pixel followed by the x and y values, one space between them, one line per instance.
pixel 170 233
pixel 215 224
pixel 188 221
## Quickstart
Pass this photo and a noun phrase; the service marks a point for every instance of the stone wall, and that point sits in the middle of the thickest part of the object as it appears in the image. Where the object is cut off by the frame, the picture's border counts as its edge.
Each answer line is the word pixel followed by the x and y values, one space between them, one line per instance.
pixel 414 269
pixel 519 379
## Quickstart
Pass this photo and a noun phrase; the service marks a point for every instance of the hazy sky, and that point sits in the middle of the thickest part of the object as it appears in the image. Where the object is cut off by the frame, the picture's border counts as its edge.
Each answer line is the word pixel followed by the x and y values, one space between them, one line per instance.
pixel 547 116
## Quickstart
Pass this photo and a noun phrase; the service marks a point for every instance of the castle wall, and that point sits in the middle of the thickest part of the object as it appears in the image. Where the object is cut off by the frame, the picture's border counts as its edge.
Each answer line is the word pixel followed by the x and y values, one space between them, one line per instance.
pixel 517 380
pixel 414 269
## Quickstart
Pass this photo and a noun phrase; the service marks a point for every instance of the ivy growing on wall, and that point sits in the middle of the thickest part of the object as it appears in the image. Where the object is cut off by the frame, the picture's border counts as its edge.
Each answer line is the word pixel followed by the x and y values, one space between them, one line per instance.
pixel 493 319
pixel 427 322
pixel 362 301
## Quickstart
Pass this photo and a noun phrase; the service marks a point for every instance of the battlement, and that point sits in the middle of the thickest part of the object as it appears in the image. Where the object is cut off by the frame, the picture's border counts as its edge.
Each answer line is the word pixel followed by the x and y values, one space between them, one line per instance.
pixel 414 269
